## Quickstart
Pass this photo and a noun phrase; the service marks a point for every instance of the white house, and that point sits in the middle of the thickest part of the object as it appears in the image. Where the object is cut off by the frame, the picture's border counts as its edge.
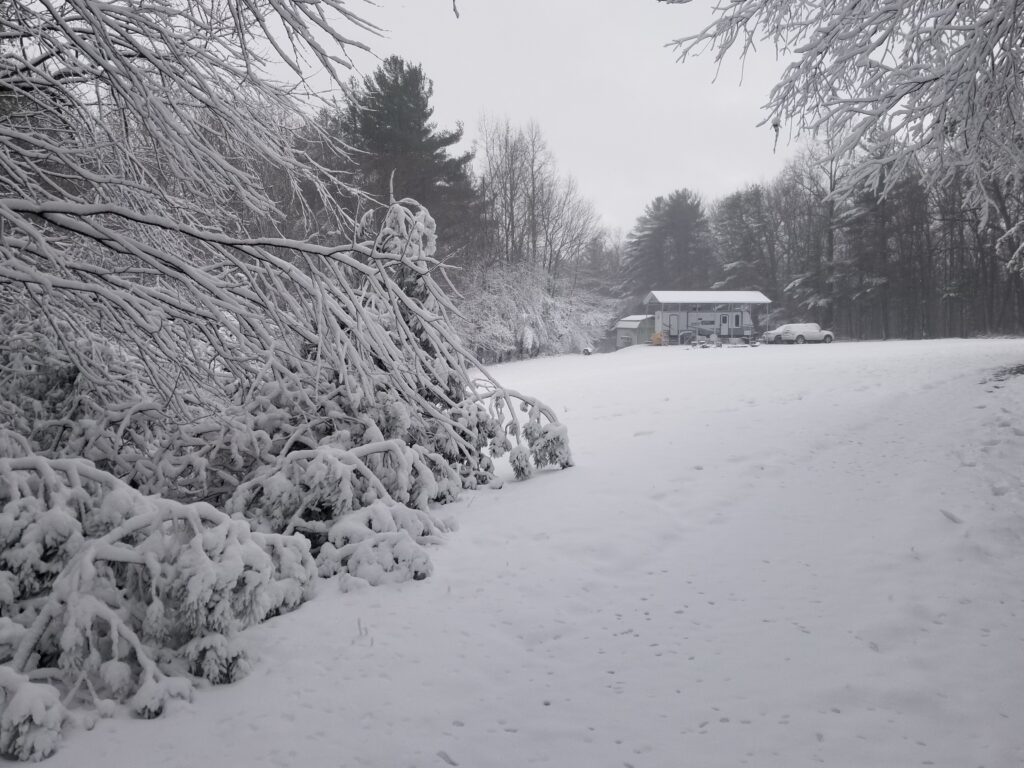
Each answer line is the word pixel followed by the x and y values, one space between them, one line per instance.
pixel 681 316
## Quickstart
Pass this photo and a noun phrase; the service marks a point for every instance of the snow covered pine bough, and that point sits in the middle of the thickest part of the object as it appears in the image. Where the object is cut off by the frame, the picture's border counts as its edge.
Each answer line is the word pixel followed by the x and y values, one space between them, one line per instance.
pixel 215 383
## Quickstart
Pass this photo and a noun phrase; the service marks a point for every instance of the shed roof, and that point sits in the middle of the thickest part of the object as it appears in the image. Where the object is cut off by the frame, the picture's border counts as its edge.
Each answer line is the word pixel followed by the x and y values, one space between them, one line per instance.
pixel 632 321
pixel 706 297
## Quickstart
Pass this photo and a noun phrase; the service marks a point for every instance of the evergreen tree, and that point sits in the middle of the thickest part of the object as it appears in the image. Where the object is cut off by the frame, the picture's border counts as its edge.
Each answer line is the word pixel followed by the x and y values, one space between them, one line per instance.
pixel 670 247
pixel 388 122
pixel 746 235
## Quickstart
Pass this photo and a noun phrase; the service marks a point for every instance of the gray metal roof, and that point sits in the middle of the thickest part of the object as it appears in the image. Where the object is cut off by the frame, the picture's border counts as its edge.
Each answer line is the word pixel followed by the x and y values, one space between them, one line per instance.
pixel 706 297
pixel 632 321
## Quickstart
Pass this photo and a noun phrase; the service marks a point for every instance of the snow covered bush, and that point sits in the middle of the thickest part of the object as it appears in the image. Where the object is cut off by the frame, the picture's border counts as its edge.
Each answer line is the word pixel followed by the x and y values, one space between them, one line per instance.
pixel 214 380
pixel 381 543
pixel 31 717
pixel 122 581
pixel 110 595
pixel 333 498
pixel 389 557
pixel 514 311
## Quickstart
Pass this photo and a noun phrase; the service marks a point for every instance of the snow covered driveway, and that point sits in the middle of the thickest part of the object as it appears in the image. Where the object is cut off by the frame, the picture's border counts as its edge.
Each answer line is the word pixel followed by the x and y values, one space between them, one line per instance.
pixel 775 557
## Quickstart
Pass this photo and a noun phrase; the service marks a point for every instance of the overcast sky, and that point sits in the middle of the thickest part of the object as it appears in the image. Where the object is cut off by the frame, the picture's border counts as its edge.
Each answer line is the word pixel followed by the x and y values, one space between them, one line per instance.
pixel 618 111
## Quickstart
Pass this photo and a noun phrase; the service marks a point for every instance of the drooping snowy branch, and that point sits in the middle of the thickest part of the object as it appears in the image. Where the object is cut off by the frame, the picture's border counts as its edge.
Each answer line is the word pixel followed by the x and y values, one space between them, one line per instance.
pixel 333 414
pixel 215 379
pixel 910 84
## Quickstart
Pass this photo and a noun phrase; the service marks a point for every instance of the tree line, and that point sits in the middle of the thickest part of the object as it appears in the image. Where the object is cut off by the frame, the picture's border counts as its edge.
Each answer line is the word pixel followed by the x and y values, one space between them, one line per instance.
pixel 908 221
pixel 536 272
pixel 914 262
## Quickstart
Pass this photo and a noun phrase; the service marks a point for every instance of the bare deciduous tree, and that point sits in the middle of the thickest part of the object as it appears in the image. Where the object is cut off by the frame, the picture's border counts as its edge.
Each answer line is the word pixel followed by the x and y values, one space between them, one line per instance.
pixel 538 215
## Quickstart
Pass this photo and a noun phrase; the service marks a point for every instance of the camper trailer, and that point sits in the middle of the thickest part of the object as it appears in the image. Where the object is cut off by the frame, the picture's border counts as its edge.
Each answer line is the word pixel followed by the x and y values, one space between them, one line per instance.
pixel 683 317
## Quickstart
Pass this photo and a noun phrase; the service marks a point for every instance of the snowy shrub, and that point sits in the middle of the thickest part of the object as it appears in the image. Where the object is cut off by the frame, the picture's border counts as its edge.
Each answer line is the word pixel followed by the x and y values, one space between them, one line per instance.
pixel 142 528
pixel 546 440
pixel 31 717
pixel 389 557
pixel 308 491
pixel 122 596
pixel 207 364
pixel 515 311
pixel 216 658
pixel 373 529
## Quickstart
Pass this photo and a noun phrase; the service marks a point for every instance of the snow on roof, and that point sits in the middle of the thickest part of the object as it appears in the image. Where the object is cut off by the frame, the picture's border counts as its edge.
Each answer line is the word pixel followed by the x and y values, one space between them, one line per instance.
pixel 706 297
pixel 632 321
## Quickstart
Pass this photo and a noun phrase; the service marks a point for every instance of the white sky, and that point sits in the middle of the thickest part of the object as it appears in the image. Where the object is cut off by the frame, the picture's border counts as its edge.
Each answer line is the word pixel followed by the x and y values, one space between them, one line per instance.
pixel 618 111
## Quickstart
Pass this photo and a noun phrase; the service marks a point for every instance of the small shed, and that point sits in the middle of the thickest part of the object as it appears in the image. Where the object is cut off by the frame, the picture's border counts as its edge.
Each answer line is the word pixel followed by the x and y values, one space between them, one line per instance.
pixel 634 329
pixel 682 316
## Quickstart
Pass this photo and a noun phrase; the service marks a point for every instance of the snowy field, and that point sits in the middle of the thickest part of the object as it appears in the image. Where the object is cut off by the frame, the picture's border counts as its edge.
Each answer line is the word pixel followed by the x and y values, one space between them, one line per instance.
pixel 775 557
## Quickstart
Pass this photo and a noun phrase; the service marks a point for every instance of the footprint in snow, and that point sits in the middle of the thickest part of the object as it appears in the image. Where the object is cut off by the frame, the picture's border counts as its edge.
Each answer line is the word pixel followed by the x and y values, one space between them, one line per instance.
pixel 966 461
pixel 951 517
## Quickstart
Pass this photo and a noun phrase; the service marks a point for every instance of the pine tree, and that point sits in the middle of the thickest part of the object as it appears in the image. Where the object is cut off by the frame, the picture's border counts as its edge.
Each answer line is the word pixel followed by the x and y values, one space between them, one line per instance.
pixel 670 246
pixel 747 241
pixel 399 149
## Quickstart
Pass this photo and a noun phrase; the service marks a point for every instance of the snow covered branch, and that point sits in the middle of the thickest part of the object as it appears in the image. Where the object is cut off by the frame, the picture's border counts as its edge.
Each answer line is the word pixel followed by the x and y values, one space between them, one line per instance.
pixel 215 379
pixel 112 595
pixel 912 84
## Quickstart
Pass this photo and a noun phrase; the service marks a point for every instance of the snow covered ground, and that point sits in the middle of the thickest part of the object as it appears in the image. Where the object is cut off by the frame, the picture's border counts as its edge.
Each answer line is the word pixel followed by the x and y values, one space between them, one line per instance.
pixel 775 557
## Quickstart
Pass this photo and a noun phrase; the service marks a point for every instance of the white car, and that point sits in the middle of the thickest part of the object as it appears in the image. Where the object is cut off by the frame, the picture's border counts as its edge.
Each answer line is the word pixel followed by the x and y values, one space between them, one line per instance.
pixel 774 336
pixel 800 333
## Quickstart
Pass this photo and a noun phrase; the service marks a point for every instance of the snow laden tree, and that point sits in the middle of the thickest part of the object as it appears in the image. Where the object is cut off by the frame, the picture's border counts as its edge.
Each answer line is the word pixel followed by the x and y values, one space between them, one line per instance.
pixel 915 86
pixel 510 311
pixel 522 284
pixel 199 410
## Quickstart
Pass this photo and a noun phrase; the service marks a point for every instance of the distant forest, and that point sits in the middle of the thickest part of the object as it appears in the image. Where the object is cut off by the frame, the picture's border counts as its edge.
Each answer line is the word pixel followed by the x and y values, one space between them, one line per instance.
pixel 912 264
pixel 535 271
